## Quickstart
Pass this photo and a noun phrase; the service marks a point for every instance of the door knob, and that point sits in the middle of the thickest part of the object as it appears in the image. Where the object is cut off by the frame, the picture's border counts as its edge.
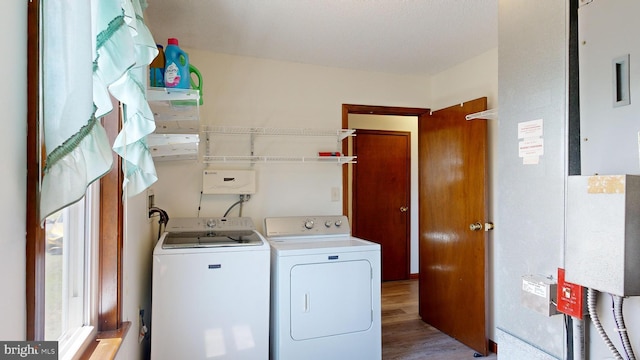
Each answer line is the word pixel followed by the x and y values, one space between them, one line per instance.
pixel 475 227
pixel 403 209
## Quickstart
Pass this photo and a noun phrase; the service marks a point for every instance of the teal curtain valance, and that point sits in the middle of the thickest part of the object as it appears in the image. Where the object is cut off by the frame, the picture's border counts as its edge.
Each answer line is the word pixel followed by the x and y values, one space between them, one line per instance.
pixel 93 50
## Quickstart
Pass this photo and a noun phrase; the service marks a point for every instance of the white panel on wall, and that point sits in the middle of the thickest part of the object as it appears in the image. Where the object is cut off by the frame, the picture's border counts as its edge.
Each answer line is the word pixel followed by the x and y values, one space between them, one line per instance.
pixel 609 74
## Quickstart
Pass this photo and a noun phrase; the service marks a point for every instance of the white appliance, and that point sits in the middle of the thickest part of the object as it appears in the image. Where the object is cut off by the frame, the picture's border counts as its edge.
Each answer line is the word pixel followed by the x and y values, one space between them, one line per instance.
pixel 210 291
pixel 325 290
pixel 229 182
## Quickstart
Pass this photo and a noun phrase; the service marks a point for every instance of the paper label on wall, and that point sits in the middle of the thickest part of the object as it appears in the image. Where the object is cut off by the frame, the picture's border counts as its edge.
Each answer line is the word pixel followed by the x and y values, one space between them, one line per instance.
pixel 527 129
pixel 531 147
pixel 534 288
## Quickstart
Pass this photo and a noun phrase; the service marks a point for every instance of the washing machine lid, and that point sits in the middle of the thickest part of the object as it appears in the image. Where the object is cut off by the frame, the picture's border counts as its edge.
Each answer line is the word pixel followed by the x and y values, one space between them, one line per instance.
pixel 208 239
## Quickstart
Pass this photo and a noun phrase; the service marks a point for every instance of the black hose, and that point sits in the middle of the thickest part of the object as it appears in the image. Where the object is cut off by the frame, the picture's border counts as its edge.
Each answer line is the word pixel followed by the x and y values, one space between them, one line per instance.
pixel 162 222
pixel 243 199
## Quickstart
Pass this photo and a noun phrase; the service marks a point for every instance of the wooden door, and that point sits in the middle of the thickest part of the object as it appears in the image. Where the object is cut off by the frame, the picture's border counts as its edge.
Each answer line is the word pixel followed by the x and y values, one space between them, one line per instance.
pixel 381 195
pixel 452 181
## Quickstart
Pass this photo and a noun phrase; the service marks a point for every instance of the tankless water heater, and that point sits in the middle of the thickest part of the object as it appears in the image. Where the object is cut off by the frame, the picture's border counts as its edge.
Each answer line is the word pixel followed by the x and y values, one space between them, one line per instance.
pixel 220 182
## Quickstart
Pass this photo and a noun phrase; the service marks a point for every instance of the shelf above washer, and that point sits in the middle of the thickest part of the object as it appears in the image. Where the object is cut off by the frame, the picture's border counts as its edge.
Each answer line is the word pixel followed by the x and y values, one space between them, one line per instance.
pixel 280 159
pixel 254 132
pixel 341 134
pixel 165 147
pixel 176 114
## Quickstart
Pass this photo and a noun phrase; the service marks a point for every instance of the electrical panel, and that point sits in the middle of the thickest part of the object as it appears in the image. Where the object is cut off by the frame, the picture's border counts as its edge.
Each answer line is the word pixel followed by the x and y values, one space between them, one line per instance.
pixel 219 182
pixel 602 247
pixel 571 297
pixel 609 85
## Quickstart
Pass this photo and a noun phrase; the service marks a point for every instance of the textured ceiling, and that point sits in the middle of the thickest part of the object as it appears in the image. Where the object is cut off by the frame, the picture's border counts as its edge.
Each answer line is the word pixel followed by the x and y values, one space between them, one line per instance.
pixel 393 36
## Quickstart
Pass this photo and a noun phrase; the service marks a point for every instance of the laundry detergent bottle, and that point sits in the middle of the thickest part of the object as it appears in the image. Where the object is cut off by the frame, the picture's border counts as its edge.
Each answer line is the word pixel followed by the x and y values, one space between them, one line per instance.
pixel 156 69
pixel 176 68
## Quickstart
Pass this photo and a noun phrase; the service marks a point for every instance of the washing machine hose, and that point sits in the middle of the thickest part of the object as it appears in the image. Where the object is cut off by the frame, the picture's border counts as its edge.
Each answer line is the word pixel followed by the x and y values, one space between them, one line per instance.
pixel 162 222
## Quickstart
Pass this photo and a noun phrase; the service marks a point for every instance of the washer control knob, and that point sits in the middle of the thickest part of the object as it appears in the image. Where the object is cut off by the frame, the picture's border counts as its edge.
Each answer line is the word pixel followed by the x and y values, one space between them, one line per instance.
pixel 328 223
pixel 309 224
pixel 338 223
pixel 211 223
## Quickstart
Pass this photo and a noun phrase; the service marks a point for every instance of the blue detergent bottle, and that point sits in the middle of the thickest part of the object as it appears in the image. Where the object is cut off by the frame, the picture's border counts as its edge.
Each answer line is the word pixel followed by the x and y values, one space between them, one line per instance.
pixel 176 69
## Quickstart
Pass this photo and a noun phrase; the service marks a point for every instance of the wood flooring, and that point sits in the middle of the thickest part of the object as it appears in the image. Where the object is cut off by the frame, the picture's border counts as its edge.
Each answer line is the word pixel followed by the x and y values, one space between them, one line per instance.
pixel 406 337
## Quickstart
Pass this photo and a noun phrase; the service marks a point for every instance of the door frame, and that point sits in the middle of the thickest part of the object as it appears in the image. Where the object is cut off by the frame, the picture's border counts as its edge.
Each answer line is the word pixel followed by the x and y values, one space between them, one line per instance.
pixel 371 110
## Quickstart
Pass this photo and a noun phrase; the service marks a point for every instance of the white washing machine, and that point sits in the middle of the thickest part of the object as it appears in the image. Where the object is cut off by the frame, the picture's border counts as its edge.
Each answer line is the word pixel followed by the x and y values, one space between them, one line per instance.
pixel 210 291
pixel 325 290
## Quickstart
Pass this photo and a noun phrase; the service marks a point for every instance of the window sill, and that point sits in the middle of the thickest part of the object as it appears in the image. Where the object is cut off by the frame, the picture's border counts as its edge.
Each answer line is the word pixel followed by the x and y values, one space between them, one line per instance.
pixel 106 344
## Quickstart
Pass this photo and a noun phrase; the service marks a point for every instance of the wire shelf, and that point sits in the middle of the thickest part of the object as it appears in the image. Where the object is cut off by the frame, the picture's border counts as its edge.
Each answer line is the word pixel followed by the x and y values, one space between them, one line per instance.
pixel 279 159
pixel 341 134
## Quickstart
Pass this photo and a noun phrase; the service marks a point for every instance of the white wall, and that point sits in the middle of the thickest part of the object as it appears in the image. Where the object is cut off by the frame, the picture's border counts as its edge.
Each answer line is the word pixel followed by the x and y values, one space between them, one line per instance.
pixel 472 79
pixel 243 91
pixel 13 88
pixel 136 275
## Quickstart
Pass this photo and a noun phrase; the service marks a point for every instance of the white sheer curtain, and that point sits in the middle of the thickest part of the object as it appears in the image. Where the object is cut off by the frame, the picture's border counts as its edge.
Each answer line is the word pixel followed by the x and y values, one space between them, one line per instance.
pixel 91 50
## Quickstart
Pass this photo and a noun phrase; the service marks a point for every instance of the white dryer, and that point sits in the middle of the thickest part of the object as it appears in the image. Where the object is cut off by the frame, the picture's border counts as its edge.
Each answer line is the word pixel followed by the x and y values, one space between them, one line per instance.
pixel 210 291
pixel 325 290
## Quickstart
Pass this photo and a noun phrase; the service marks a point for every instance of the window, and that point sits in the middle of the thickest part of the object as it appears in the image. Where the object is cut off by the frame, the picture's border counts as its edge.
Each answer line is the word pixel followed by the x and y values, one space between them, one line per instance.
pixel 70 242
pixel 103 201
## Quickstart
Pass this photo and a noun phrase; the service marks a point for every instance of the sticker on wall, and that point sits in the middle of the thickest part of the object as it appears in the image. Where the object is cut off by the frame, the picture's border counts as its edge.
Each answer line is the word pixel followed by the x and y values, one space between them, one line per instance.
pixel 529 129
pixel 531 147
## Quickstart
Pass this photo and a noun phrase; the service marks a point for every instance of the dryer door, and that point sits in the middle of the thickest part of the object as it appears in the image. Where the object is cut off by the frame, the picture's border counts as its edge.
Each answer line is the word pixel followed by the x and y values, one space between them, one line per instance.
pixel 330 299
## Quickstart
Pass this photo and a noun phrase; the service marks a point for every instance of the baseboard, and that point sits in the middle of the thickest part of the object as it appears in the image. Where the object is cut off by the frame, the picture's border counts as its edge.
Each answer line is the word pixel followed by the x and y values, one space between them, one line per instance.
pixel 493 347
pixel 414 276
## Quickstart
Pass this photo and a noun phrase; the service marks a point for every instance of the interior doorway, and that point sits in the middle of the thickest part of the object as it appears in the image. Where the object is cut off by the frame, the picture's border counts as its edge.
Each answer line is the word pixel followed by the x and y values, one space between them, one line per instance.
pixel 378 118
pixel 456 134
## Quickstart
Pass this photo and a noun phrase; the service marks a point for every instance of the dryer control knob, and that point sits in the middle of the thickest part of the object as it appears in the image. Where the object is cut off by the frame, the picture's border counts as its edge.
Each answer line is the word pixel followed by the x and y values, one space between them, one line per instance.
pixel 211 223
pixel 308 224
pixel 338 223
pixel 328 223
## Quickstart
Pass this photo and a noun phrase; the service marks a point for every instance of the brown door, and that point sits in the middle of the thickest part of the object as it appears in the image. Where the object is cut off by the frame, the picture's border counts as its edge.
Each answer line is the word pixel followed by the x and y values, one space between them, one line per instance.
pixel 381 191
pixel 452 158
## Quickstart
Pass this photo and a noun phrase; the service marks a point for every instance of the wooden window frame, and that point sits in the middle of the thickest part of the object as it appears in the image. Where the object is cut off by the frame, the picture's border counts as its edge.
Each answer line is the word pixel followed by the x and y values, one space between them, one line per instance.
pixel 111 207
